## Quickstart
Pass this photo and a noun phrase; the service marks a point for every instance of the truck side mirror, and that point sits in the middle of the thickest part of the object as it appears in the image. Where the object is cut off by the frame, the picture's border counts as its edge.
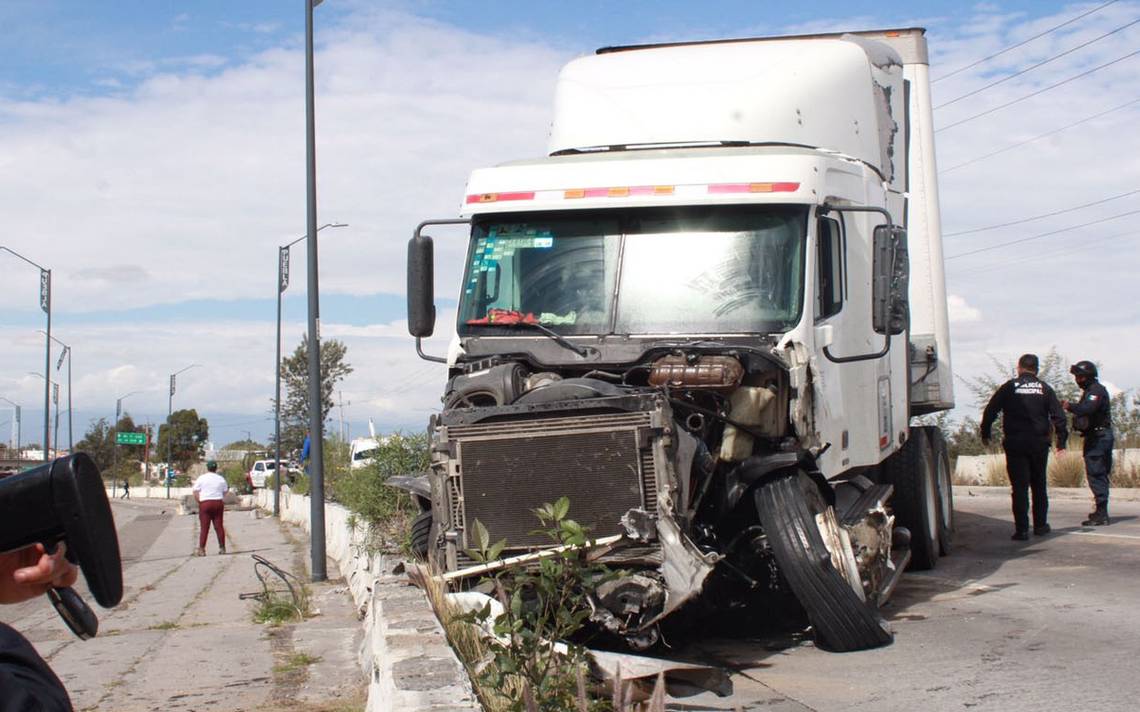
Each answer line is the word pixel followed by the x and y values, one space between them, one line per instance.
pixel 890 281
pixel 421 286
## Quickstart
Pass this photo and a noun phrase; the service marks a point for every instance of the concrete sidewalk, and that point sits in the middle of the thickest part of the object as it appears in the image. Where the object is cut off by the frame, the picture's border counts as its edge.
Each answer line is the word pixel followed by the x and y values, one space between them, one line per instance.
pixel 182 640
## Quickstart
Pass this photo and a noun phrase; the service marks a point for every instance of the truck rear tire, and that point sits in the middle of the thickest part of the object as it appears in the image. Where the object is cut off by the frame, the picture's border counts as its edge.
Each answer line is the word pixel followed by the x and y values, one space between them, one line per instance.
pixel 842 620
pixel 421 535
pixel 913 473
pixel 943 480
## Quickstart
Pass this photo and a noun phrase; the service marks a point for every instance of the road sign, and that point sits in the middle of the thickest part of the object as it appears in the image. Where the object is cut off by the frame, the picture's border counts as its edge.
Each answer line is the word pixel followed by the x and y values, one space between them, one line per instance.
pixel 130 438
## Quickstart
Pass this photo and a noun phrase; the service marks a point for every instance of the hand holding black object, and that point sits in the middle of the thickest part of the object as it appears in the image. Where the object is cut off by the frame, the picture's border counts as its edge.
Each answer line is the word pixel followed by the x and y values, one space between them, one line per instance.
pixel 31 571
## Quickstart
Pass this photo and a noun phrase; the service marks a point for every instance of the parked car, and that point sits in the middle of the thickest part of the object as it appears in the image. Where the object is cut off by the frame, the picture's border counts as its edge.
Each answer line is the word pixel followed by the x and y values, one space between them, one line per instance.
pixel 259 473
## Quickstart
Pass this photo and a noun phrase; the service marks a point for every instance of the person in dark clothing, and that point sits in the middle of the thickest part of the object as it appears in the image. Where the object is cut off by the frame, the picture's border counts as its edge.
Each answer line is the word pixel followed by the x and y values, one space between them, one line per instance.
pixel 1092 418
pixel 27 684
pixel 1028 407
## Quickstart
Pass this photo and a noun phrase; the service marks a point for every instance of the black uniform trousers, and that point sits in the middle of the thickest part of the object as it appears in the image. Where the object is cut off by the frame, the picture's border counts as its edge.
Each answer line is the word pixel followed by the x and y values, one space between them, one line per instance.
pixel 1098 463
pixel 1026 467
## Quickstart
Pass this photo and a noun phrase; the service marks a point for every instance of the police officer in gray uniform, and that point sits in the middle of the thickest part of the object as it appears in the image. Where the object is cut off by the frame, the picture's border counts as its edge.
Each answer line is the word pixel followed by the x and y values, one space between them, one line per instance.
pixel 1028 407
pixel 1092 418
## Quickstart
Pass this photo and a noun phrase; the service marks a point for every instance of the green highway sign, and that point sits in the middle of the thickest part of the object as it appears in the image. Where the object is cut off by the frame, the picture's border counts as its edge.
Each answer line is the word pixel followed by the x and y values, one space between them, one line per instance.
pixel 130 438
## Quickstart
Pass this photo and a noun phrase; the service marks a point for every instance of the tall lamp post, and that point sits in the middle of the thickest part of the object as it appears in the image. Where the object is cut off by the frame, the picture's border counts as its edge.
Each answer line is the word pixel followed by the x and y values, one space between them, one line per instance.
pixel 59 364
pixel 170 423
pixel 115 444
pixel 19 445
pixel 282 285
pixel 316 421
pixel 55 400
pixel 45 304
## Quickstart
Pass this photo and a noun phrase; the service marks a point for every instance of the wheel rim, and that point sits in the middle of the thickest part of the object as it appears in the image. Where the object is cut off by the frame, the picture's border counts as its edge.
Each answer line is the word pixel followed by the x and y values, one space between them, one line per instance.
pixel 944 496
pixel 931 495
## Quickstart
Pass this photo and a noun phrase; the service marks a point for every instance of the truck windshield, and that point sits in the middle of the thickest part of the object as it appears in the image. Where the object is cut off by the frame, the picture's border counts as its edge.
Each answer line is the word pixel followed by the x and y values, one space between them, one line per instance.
pixel 689 270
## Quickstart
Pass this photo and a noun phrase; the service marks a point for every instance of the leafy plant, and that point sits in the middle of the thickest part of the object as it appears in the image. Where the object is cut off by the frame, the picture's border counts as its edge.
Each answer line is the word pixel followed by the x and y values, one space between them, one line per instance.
pixel 365 492
pixel 544 607
pixel 277 607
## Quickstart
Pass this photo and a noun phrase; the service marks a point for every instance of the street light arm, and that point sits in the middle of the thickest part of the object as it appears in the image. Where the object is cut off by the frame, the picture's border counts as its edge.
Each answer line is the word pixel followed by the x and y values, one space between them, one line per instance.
pixel 193 365
pixel 17 254
pixel 322 227
pixel 56 340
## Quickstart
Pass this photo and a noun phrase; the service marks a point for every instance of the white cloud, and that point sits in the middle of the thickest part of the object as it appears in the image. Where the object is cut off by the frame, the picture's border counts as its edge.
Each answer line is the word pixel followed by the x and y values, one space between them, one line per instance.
pixel 181 188
pixel 960 311
pixel 200 177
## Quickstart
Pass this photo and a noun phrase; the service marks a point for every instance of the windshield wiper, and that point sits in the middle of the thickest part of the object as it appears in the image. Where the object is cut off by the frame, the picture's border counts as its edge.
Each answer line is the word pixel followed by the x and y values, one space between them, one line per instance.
pixel 582 351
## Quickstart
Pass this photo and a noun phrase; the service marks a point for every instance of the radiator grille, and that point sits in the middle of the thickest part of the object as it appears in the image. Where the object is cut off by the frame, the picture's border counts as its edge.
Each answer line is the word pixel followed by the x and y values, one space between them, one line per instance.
pixel 504 478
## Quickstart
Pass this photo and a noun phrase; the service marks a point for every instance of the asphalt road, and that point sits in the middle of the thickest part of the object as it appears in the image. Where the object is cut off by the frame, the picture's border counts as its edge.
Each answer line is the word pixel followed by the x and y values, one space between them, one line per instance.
pixel 1048 624
pixel 183 640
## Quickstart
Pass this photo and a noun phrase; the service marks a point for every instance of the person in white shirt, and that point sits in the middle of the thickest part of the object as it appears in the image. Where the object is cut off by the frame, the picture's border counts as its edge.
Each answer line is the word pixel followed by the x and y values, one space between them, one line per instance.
pixel 209 489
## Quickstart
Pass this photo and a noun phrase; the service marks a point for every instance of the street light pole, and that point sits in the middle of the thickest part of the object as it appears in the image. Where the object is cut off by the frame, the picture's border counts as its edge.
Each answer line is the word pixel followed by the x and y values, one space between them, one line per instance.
pixel 58 365
pixel 45 304
pixel 54 389
pixel 283 284
pixel 19 445
pixel 170 424
pixel 316 421
pixel 115 442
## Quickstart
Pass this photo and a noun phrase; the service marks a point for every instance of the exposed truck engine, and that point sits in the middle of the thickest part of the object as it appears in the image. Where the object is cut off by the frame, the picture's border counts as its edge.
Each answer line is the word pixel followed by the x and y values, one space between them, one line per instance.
pixel 707 318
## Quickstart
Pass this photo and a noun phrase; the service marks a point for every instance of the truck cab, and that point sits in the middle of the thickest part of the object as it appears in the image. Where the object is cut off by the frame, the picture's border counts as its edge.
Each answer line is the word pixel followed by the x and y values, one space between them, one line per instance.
pixel 707 318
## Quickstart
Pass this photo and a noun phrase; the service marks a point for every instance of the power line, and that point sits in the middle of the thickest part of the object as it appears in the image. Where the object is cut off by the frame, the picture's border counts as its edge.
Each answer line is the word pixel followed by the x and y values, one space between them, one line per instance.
pixel 1040 91
pixel 1035 66
pixel 1050 254
pixel 1038 137
pixel 1043 215
pixel 1023 42
pixel 1037 237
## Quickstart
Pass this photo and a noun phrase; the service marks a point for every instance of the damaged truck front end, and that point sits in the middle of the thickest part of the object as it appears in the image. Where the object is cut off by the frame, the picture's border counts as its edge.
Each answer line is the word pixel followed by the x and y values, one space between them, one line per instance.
pixel 687 472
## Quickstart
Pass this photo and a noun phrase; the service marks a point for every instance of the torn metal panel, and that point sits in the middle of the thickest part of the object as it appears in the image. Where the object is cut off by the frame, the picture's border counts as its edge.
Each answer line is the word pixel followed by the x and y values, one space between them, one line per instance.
pixel 684 567
pixel 681 679
pixel 802 407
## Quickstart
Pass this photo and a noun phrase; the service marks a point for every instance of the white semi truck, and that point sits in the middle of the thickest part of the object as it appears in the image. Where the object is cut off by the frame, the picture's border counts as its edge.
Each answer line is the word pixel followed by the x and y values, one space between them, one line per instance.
pixel 708 317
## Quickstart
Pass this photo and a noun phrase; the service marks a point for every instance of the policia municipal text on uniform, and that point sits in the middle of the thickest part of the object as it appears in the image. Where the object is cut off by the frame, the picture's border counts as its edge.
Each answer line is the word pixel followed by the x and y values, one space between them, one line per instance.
pixel 1028 407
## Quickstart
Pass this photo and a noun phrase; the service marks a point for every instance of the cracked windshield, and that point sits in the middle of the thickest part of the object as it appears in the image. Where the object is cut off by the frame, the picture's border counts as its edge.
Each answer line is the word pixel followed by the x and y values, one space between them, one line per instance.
pixel 706 270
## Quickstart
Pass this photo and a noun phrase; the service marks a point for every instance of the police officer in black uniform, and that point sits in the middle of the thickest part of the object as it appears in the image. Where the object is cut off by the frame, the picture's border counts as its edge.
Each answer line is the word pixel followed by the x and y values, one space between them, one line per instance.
pixel 1028 407
pixel 1092 418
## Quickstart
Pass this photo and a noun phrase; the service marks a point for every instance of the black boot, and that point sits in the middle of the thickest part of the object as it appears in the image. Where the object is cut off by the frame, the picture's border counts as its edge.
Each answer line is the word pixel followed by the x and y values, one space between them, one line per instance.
pixel 1099 518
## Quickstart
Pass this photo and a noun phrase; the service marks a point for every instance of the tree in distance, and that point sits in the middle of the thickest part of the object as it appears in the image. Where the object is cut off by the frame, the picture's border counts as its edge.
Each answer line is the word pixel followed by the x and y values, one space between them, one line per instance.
pixel 99 443
pixel 295 375
pixel 183 435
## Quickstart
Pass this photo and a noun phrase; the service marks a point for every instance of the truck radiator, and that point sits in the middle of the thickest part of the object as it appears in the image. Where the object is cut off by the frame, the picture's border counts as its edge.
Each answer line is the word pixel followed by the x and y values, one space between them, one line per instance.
pixel 602 462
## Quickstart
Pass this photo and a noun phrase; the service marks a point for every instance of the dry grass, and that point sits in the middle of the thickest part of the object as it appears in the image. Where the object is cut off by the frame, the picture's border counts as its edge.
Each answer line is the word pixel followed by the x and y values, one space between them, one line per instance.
pixel 996 475
pixel 467 640
pixel 1066 469
pixel 1126 474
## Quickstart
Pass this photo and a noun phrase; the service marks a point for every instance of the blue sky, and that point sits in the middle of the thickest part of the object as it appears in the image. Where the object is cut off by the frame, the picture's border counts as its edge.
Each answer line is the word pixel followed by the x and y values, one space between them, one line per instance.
pixel 151 154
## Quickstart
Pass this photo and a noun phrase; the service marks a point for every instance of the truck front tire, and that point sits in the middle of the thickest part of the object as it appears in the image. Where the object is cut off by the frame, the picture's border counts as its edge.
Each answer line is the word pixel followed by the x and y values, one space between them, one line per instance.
pixel 421 535
pixel 842 620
